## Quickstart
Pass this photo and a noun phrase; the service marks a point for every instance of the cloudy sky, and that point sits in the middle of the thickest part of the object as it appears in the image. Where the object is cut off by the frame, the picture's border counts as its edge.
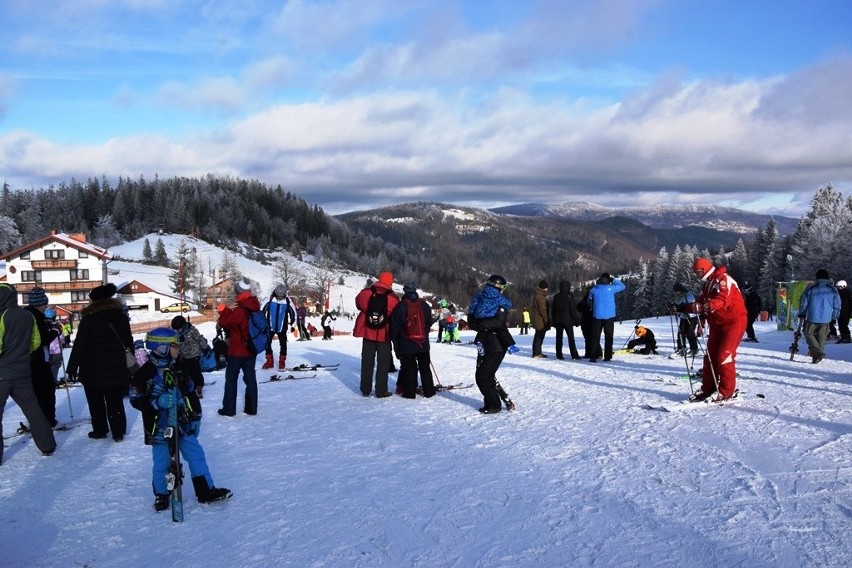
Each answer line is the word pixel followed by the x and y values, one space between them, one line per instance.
pixel 361 103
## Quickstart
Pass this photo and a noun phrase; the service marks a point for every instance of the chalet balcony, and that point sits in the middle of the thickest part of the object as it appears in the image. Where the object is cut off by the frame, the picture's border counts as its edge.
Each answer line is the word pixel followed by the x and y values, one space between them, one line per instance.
pixel 54 264
pixel 69 286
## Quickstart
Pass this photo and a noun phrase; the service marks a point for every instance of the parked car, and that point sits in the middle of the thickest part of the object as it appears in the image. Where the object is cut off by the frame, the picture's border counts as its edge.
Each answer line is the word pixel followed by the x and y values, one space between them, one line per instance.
pixel 177 307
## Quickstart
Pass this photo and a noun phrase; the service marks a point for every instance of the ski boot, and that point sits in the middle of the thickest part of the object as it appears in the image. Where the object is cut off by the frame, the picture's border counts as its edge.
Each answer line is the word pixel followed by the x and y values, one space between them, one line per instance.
pixel 161 502
pixel 268 364
pixel 282 363
pixel 207 494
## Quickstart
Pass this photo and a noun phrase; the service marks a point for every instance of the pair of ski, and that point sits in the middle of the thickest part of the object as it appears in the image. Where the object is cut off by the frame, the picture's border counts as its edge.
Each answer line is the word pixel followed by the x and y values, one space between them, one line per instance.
pixel 318 367
pixel 279 378
pixel 71 424
pixel 685 405
pixel 458 386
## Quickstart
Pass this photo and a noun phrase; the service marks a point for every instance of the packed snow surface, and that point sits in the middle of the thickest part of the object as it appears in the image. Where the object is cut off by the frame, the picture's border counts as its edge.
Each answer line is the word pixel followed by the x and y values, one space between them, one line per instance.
pixel 582 473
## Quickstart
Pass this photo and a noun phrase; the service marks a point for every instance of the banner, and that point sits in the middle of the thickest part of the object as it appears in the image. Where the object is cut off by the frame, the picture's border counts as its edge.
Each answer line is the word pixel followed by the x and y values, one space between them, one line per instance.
pixel 787 297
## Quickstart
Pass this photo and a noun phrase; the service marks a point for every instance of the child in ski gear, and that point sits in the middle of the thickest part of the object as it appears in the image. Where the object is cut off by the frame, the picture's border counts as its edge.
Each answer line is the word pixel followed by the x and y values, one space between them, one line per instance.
pixel 644 339
pixel 443 313
pixel 721 304
pixel 489 309
pixel 375 344
pixel 158 386
pixel 602 302
pixel 818 306
pixel 280 315
pixel 192 344
pixel 490 347
pixel 20 338
pixel 98 358
pixel 55 347
pixel 687 322
pixel 326 326
pixel 540 319
pixel 565 317
pixel 412 346
pixel 451 330
pixel 235 322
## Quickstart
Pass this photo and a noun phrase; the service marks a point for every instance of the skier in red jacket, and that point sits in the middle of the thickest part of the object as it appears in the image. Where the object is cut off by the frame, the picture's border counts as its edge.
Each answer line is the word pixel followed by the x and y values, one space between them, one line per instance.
pixel 376 344
pixel 722 305
pixel 235 322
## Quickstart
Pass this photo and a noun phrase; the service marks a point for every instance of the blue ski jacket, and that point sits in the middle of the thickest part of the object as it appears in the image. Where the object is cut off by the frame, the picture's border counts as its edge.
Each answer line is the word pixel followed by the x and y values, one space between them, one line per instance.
pixel 820 303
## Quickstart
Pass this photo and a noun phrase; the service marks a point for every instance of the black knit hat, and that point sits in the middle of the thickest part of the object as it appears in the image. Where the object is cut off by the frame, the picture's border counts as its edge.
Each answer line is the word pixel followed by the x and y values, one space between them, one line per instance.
pixel 104 292
pixel 37 297
pixel 543 285
pixel 822 274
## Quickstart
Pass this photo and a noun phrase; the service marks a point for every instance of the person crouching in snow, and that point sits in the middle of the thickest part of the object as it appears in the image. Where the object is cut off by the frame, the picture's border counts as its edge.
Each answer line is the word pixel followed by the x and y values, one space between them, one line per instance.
pixel 158 385
pixel 451 331
pixel 644 339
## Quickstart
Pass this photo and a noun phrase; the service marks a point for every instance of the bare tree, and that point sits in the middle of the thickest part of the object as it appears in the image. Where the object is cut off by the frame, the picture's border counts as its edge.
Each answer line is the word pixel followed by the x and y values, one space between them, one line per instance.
pixel 319 280
pixel 286 271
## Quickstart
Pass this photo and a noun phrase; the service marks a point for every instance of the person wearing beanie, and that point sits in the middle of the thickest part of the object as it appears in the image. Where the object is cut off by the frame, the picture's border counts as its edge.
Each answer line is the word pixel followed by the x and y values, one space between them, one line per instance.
pixel 235 324
pixel 409 333
pixel 280 314
pixel 375 305
pixel 42 375
pixel 818 307
pixel 192 345
pixel 19 341
pixel 98 360
pixel 565 318
pixel 721 304
pixel 601 300
pixel 540 318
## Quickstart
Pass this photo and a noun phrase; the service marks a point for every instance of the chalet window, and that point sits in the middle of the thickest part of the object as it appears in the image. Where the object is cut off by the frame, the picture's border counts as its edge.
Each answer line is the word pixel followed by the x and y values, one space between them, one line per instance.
pixel 25 255
pixel 30 275
pixel 79 274
pixel 77 296
pixel 54 254
pixel 82 254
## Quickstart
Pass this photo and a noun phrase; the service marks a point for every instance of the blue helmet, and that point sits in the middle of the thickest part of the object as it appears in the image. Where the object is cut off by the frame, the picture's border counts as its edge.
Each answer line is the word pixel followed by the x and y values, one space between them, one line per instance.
pixel 50 313
pixel 159 340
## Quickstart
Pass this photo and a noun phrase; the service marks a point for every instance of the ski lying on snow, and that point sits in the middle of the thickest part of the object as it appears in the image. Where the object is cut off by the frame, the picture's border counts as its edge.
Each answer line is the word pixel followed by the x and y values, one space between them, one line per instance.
pixel 453 387
pixel 317 367
pixel 61 427
pixel 685 405
pixel 279 378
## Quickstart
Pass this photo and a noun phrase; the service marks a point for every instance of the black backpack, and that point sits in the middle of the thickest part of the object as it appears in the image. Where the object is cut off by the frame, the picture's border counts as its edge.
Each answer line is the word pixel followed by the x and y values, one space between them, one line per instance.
pixel 377 310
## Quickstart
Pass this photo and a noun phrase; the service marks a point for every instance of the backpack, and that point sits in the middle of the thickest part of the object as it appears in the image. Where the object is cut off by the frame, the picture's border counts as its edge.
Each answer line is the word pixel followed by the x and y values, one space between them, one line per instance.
pixel 207 361
pixel 377 311
pixel 415 328
pixel 259 334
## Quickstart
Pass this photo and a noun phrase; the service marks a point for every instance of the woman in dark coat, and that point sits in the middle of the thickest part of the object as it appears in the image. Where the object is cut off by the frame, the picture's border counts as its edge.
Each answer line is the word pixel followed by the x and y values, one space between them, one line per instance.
pixel 564 317
pixel 98 360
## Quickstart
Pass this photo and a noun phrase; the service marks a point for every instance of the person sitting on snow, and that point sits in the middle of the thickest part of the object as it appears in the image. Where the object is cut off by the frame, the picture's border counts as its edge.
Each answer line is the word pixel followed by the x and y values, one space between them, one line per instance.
pixel 451 330
pixel 644 339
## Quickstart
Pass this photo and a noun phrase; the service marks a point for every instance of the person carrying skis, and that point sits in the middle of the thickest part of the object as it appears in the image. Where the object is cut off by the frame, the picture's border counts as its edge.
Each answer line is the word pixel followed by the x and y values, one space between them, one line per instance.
pixel 280 314
pixel 644 339
pixel 487 315
pixel 157 387
pixel 687 322
pixel 721 305
pixel 818 307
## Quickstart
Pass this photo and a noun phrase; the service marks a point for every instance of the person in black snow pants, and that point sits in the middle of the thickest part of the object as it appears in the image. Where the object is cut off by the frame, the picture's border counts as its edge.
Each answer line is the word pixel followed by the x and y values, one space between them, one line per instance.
pixel 564 317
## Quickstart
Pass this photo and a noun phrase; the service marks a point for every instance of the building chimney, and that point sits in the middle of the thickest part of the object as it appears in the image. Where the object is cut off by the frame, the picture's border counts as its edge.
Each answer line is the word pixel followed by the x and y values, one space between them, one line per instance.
pixel 78 237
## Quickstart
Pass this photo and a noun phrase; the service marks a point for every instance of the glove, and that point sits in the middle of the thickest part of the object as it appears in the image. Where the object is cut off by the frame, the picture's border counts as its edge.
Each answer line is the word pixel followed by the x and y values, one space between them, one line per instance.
pixel 166 400
pixel 193 428
pixel 513 349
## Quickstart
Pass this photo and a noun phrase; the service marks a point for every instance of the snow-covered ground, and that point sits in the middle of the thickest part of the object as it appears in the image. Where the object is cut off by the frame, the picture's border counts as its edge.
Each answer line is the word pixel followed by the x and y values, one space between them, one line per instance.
pixel 581 474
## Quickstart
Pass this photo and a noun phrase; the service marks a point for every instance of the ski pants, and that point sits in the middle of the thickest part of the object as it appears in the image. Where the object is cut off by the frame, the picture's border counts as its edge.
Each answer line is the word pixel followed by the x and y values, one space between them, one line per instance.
pixel 721 356
pixel 409 365
pixel 816 334
pixel 538 340
pixel 282 343
pixel 190 450
pixel 232 372
pixel 572 344
pixel 487 363
pixel 607 326
pixel 686 330
pixel 45 390
pixel 21 391
pixel 375 355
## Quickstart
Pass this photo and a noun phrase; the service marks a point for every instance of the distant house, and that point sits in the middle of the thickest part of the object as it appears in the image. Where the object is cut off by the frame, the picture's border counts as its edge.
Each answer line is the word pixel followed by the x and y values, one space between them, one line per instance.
pixel 138 295
pixel 66 266
pixel 220 292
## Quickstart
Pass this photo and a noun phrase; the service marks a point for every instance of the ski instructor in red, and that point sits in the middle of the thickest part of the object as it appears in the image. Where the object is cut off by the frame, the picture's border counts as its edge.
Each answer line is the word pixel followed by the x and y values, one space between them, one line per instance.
pixel 722 305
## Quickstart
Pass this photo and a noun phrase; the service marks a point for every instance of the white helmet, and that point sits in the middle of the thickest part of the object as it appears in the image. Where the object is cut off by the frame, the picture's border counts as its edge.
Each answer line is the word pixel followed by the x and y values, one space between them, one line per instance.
pixel 841 284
